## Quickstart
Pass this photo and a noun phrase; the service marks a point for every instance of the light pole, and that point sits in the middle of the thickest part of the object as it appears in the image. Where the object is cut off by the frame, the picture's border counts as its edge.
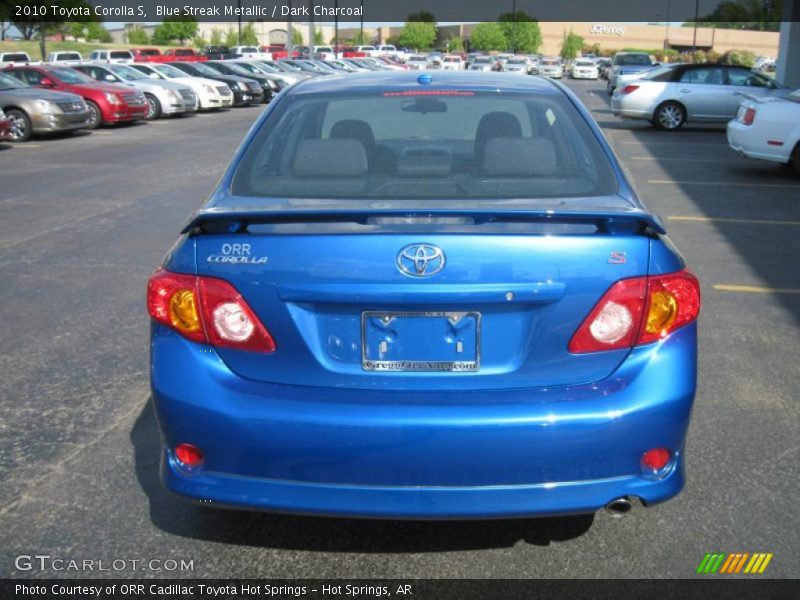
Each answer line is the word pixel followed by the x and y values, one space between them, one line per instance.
pixel 694 36
pixel 514 26
pixel 239 17
pixel 336 30
pixel 666 33
pixel 361 16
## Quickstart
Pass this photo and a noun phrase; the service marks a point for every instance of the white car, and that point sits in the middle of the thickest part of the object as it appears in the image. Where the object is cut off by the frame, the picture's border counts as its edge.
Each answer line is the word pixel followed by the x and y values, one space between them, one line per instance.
pixel 389 50
pixel 210 93
pixel 368 50
pixel 584 68
pixel 551 67
pixel 163 97
pixel 768 128
pixel 452 63
pixel 517 65
pixel 482 63
pixel 10 58
pixel 324 53
pixel 417 62
pixel 251 53
pixel 112 57
pixel 65 58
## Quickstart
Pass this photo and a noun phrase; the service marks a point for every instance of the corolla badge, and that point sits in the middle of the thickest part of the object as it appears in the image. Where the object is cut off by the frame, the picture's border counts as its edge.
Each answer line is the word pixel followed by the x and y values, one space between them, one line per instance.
pixel 420 260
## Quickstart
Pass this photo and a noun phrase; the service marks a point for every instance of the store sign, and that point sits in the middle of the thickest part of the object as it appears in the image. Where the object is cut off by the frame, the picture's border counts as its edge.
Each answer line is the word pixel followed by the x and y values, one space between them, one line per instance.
pixel 607 30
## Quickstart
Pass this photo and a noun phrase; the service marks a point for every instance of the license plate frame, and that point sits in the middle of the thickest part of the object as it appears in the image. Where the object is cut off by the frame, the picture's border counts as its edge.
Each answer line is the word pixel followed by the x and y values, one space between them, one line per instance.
pixel 421 366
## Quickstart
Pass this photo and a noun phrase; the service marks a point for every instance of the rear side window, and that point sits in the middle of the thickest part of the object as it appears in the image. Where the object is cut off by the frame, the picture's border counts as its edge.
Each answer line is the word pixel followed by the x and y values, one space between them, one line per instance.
pixel 707 75
pixel 747 78
pixel 128 54
pixel 448 145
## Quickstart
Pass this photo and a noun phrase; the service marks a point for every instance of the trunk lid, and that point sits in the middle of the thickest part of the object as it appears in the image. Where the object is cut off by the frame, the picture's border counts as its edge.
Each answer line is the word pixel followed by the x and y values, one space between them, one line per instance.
pixel 343 297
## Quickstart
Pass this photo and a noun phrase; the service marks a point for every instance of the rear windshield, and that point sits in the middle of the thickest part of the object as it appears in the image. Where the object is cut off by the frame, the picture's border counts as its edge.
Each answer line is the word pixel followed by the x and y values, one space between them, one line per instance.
pixel 630 60
pixel 68 56
pixel 449 145
pixel 15 58
pixel 123 54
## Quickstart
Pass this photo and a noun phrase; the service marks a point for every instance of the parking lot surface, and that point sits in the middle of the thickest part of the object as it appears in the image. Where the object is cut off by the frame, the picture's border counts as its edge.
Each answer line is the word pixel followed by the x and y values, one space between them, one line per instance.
pixel 84 220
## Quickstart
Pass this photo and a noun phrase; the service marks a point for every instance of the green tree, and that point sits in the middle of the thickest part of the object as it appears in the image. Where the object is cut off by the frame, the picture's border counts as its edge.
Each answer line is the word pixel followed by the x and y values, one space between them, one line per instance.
pixel 488 36
pixel 522 32
pixel 571 45
pixel 231 37
pixel 216 37
pixel 418 34
pixel 422 16
pixel 455 44
pixel 360 39
pixel 199 41
pixel 30 26
pixel 755 15
pixel 319 38
pixel 742 58
pixel 249 37
pixel 297 37
pixel 175 28
pixel 137 35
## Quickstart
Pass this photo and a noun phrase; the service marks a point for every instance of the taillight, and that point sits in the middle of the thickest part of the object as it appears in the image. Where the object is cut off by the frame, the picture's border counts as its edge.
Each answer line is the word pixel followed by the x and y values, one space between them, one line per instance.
pixel 639 311
pixel 628 89
pixel 748 116
pixel 206 310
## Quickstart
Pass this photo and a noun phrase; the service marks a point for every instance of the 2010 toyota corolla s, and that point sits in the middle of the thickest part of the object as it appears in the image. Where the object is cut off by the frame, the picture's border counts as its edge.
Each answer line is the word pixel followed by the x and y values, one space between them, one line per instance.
pixel 424 296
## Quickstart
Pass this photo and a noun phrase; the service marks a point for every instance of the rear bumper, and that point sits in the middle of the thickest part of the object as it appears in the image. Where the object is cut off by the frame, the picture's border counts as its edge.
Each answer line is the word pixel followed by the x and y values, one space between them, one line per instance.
pixel 513 453
pixel 746 142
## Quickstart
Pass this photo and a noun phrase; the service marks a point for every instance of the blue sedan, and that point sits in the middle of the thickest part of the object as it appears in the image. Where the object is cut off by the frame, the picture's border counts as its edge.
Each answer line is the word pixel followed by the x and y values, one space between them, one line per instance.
pixel 422 295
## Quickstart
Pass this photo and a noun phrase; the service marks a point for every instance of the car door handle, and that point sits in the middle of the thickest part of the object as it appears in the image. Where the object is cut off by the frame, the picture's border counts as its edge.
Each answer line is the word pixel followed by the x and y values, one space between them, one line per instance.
pixel 685 91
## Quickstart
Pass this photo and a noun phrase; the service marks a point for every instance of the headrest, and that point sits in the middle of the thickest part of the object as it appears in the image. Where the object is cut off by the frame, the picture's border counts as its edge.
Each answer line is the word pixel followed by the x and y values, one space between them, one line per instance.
pixel 330 158
pixel 519 157
pixel 353 129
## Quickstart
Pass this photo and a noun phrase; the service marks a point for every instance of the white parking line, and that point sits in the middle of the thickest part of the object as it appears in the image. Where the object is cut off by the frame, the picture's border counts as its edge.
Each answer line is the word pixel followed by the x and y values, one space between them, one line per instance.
pixel 659 158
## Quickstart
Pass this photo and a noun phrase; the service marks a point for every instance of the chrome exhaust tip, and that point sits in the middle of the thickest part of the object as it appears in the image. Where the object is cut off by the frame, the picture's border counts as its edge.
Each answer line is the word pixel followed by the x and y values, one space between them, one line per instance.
pixel 619 507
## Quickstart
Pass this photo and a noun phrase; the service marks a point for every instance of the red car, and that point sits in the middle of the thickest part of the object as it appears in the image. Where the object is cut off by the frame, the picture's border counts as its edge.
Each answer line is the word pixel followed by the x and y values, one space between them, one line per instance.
pixel 152 55
pixel 108 102
pixel 5 127
pixel 183 54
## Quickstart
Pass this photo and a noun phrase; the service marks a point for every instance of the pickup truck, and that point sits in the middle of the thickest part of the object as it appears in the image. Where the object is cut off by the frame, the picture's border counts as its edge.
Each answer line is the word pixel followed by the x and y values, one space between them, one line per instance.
pixel 218 53
pixel 152 55
pixel 65 58
pixel 278 52
pixel 251 53
pixel 7 58
pixel 183 54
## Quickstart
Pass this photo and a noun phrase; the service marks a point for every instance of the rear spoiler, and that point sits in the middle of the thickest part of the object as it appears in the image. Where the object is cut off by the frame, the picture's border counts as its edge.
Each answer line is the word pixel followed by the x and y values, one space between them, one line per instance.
pixel 236 220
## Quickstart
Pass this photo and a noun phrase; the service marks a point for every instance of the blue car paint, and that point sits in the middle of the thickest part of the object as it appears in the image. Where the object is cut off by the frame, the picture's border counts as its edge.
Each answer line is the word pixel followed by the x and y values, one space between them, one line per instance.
pixel 307 430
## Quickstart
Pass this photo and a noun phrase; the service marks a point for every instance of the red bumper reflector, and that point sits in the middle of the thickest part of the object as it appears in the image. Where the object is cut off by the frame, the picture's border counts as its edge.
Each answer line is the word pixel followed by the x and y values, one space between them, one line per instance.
pixel 188 455
pixel 656 459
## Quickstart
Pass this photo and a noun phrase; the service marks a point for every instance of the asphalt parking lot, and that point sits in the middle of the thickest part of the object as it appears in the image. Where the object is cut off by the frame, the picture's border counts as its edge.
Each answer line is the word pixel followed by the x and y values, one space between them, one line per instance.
pixel 83 221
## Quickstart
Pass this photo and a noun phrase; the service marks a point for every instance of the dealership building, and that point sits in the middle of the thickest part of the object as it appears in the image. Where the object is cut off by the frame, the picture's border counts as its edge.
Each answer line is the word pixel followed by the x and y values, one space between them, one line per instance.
pixel 783 45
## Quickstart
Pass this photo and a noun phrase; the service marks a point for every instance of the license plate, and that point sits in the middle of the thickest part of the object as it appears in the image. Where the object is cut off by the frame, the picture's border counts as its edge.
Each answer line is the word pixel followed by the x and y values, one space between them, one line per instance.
pixel 420 341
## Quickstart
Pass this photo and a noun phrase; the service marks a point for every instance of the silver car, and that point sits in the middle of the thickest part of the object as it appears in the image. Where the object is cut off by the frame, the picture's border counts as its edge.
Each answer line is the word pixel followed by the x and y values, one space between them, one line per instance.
pixel 163 97
pixel 551 67
pixel 671 96
pixel 33 110
pixel 627 63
